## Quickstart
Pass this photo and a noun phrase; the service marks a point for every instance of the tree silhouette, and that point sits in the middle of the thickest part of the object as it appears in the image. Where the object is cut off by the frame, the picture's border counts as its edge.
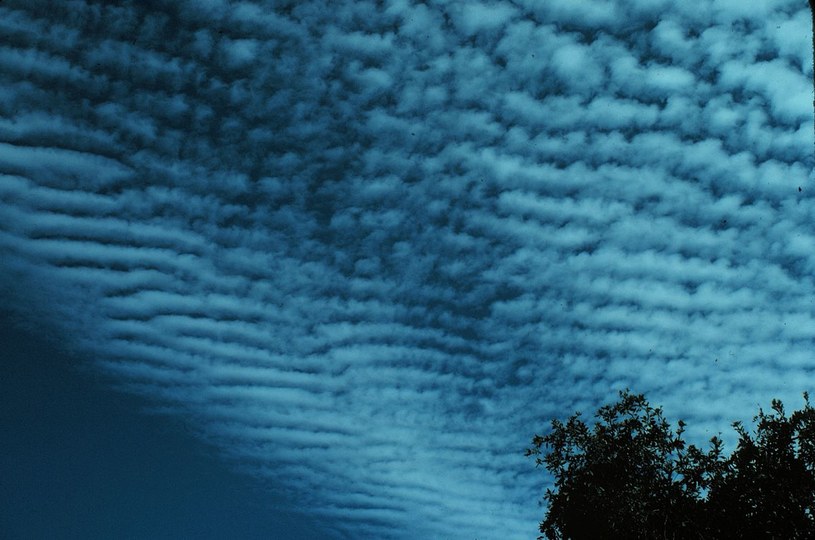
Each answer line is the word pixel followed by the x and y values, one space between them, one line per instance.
pixel 631 476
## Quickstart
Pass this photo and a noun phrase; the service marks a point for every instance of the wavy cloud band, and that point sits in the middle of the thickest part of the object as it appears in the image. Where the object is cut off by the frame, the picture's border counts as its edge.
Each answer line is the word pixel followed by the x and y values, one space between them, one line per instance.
pixel 369 247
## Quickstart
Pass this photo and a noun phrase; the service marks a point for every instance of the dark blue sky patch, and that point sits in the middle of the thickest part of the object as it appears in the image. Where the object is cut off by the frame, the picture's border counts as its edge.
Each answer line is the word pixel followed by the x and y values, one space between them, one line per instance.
pixel 80 461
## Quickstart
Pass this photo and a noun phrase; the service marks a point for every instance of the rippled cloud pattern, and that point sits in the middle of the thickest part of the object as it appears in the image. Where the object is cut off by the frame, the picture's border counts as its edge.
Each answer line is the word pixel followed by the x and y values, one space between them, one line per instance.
pixel 368 247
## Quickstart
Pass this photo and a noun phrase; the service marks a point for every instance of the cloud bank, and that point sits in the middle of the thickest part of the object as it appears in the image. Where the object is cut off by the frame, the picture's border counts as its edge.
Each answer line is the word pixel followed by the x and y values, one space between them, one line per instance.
pixel 369 247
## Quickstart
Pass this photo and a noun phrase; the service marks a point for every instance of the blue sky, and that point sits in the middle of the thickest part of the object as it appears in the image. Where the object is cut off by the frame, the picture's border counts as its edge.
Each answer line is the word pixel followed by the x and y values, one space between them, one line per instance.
pixel 367 249
pixel 81 461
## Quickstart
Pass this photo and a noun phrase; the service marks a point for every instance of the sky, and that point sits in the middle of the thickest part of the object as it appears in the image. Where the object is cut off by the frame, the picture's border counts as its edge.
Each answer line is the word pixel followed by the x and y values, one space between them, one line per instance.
pixel 367 249
pixel 81 461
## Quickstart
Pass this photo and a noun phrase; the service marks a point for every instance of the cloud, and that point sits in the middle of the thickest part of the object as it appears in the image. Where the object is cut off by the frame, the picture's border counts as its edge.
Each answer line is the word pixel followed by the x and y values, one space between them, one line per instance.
pixel 368 249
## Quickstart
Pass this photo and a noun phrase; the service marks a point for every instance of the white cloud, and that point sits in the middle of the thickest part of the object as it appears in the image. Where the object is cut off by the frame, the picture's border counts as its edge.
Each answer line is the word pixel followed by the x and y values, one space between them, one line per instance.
pixel 475 17
pixel 370 249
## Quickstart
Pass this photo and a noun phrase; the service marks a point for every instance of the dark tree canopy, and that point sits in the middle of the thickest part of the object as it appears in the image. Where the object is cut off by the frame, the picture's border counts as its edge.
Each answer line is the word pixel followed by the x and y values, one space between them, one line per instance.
pixel 631 476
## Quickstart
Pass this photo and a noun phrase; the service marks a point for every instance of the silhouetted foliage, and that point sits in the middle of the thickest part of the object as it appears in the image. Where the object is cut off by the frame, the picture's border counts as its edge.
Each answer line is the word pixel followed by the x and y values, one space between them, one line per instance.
pixel 631 476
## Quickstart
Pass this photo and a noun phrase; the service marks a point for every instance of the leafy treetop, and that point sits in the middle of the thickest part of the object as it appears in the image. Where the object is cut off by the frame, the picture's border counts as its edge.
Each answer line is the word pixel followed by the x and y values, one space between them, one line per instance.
pixel 631 475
